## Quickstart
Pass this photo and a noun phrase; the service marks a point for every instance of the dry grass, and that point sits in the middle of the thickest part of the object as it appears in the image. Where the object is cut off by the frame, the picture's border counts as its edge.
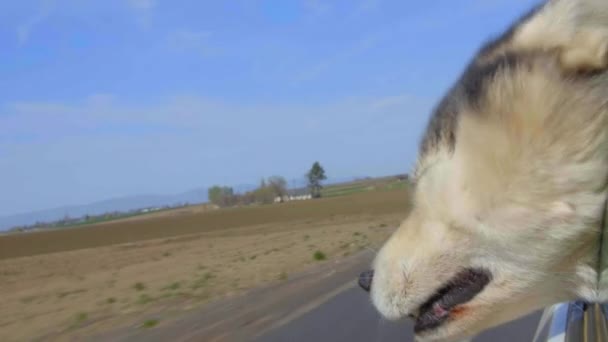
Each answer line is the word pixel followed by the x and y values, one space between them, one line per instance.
pixel 176 263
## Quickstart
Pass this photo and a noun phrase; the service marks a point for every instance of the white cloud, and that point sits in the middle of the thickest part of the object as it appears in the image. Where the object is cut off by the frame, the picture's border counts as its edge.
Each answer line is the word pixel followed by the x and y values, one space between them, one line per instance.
pixel 143 11
pixel 189 40
pixel 192 113
pixel 25 29
pixel 100 98
pixel 313 71
pixel 366 6
pixel 142 5
pixel 318 7
pixel 102 146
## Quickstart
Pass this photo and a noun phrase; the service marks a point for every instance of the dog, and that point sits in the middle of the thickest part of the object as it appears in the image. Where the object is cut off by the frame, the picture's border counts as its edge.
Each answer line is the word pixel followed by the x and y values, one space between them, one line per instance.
pixel 510 183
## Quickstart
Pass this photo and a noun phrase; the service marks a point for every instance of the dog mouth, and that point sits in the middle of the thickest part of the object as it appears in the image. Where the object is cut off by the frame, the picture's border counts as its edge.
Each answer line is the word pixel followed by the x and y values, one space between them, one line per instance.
pixel 448 300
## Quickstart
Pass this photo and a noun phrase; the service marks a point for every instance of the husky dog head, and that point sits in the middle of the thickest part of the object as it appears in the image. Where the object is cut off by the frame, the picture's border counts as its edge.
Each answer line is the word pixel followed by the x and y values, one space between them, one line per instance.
pixel 510 182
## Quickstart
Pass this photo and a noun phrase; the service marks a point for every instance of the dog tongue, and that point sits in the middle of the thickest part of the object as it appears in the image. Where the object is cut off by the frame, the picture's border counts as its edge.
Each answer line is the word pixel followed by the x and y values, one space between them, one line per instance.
pixel 439 311
pixel 432 318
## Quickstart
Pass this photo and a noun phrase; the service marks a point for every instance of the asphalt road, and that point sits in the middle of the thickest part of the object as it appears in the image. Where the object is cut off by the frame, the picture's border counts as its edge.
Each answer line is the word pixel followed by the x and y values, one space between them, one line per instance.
pixel 322 304
pixel 350 317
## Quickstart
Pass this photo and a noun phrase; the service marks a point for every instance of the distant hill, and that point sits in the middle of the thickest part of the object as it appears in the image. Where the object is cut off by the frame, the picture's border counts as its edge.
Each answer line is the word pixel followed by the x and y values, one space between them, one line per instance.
pixel 125 204
pixel 122 204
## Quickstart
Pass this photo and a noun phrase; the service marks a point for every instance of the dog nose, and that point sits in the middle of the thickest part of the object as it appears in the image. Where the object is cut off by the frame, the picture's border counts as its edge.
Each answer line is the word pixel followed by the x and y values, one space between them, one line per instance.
pixel 365 280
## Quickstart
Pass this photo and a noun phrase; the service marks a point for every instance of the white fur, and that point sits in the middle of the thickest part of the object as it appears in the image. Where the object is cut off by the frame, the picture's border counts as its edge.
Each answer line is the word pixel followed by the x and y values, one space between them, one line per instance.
pixel 523 191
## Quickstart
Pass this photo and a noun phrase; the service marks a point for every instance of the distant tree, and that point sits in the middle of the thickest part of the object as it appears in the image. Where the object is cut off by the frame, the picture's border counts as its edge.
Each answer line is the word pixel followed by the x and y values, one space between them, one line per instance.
pixel 278 185
pixel 221 195
pixel 214 194
pixel 315 176
pixel 246 199
pixel 402 177
pixel 264 194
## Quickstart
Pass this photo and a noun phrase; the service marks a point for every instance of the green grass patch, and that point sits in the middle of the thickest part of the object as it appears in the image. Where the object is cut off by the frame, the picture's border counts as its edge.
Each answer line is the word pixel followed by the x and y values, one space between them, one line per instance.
pixel 144 299
pixel 397 185
pixel 318 255
pixel 172 287
pixel 345 190
pixel 151 323
pixel 202 281
pixel 68 293
pixel 139 286
pixel 81 317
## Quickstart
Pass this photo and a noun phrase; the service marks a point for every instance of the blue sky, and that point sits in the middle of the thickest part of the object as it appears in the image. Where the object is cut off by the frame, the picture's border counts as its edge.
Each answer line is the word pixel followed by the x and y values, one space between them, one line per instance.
pixel 100 99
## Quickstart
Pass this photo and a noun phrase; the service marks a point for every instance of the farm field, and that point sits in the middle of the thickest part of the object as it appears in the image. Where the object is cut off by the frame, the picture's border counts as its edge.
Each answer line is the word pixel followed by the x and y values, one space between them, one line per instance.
pixel 195 219
pixel 75 282
pixel 364 185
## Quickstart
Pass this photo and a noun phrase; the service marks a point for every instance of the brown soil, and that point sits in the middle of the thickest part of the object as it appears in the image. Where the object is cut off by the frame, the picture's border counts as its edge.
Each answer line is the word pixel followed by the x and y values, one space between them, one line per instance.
pixel 113 274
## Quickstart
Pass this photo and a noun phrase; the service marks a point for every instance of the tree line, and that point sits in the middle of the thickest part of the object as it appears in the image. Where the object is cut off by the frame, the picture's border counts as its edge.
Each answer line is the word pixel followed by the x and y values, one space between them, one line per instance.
pixel 223 196
pixel 268 190
pixel 265 193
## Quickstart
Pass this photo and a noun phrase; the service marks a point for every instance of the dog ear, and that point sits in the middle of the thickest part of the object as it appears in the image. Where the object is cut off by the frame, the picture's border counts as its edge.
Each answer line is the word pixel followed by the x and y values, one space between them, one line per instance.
pixel 576 29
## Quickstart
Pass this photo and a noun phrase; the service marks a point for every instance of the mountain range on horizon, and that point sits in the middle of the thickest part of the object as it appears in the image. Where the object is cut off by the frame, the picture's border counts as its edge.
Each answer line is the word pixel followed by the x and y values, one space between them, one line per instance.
pixel 120 204
pixel 125 204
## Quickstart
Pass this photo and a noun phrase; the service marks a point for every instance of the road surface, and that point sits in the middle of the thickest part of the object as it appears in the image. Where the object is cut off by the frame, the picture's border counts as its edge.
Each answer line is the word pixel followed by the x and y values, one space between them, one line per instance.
pixel 350 317
pixel 323 304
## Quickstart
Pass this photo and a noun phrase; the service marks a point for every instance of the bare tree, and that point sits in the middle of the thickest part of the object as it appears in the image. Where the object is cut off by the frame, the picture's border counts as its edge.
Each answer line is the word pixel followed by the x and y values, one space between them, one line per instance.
pixel 278 185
